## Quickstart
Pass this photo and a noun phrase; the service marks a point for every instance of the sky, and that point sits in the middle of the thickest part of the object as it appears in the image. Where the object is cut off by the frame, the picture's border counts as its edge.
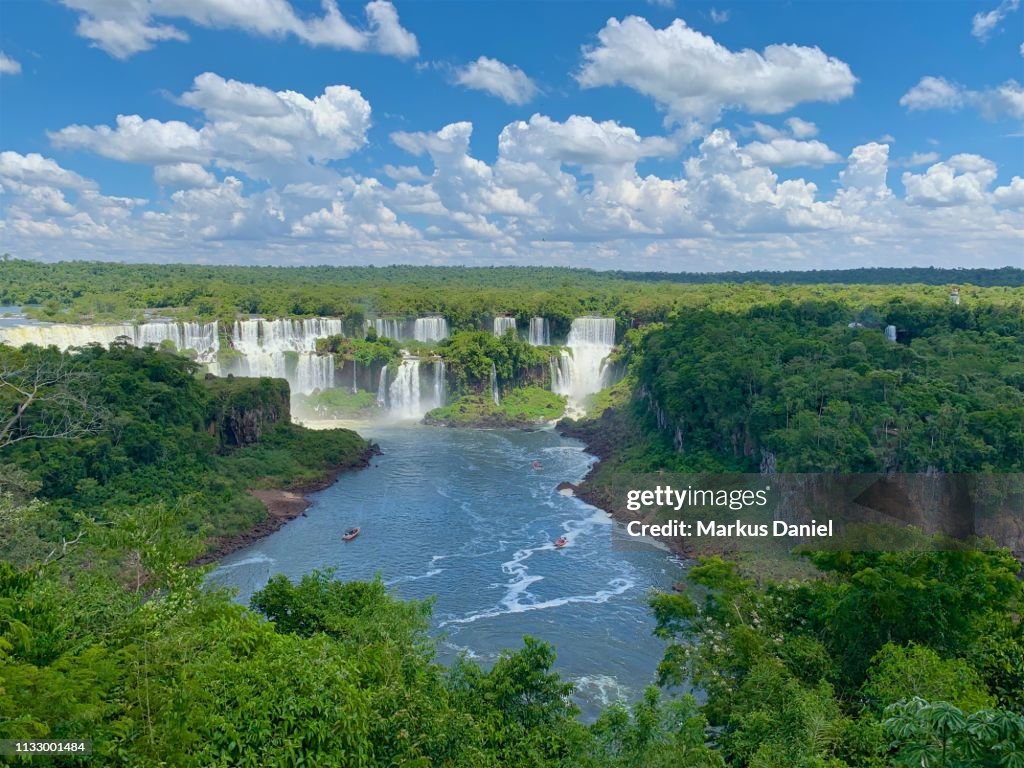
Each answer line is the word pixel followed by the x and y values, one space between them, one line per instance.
pixel 643 135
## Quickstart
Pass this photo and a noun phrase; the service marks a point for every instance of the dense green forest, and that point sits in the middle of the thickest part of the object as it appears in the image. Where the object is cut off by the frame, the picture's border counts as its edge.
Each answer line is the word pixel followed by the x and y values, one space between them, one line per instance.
pixel 123 463
pixel 796 382
pixel 467 297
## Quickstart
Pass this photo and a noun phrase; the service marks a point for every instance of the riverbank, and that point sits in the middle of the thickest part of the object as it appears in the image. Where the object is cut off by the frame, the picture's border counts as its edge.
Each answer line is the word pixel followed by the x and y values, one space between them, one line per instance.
pixel 282 505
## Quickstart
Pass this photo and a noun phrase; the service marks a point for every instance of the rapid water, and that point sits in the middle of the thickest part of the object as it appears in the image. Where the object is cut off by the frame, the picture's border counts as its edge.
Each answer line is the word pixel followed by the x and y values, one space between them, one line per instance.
pixel 461 515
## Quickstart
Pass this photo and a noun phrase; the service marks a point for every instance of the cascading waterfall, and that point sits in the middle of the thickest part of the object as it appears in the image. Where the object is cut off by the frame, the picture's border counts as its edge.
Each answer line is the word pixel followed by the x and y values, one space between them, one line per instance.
pixel 355 385
pixel 382 388
pixel 389 327
pixel 494 385
pixel 430 329
pixel 420 329
pixel 284 349
pixel 540 334
pixel 404 392
pixel 581 369
pixel 199 337
pixel 503 324
pixel 439 384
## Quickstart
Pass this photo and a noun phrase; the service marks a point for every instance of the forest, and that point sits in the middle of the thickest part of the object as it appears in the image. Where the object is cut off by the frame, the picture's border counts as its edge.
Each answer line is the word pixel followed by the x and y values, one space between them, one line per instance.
pixel 125 465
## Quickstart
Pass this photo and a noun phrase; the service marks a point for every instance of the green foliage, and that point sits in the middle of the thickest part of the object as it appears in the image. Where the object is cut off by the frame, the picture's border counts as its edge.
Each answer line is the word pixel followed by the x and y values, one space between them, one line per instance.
pixel 794 381
pixel 524 407
pixel 939 735
pixel 469 356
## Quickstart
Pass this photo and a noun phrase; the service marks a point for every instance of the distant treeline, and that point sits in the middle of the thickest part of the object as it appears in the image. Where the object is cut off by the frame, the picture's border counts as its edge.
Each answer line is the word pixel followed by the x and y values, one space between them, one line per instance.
pixel 1006 276
pixel 468 297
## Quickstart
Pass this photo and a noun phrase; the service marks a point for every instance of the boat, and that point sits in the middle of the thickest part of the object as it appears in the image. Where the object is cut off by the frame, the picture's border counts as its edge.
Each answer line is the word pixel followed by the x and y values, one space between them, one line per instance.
pixel 350 534
pixel 560 542
pixel 537 465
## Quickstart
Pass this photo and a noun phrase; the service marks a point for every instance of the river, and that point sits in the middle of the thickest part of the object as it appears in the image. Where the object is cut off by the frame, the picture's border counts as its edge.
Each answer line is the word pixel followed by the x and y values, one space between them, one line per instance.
pixel 461 515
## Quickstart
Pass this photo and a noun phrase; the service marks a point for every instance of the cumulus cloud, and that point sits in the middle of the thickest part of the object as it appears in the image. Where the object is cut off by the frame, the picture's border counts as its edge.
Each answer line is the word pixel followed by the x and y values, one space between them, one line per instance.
pixel 247 127
pixel 993 103
pixel 580 140
pixel 9 66
pixel 694 78
pixel 719 17
pixel 789 153
pixel 961 180
pixel 802 129
pixel 510 84
pixel 35 170
pixel 123 29
pixel 1011 195
pixel 183 176
pixel 985 23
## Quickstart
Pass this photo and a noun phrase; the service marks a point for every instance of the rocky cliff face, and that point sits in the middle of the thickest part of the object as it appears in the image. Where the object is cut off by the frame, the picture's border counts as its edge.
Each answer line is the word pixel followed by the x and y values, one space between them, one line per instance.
pixel 242 410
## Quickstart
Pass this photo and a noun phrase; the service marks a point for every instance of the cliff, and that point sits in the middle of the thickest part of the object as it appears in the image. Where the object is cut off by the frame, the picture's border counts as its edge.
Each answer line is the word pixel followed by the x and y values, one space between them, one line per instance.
pixel 242 410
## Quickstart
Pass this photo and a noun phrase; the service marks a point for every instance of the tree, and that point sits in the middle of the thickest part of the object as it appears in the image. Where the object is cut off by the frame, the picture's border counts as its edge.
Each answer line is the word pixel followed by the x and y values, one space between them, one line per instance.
pixel 42 394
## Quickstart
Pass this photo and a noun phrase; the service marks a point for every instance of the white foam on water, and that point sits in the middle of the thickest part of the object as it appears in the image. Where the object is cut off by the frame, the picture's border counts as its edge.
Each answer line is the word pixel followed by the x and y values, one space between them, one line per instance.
pixel 251 560
pixel 403 579
pixel 603 689
pixel 616 588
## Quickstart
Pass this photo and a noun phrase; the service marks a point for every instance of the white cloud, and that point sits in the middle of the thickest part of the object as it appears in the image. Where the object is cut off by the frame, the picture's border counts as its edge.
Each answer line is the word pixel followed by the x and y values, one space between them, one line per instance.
pixel 248 127
pixel 510 84
pixel 136 140
pixel 404 172
pixel 183 176
pixel 984 24
pixel 695 78
pixel 9 66
pixel 719 17
pixel 1011 195
pixel 920 158
pixel 557 192
pixel 789 153
pixel 579 140
pixel 801 129
pixel 993 103
pixel 962 180
pixel 126 27
pixel 35 170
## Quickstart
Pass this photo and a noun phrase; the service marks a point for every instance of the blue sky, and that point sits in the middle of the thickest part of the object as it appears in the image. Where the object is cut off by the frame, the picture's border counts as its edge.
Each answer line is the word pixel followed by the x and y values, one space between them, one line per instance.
pixel 640 135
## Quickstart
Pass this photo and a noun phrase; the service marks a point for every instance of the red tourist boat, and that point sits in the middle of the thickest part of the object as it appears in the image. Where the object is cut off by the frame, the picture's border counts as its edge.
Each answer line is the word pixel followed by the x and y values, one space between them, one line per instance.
pixel 560 542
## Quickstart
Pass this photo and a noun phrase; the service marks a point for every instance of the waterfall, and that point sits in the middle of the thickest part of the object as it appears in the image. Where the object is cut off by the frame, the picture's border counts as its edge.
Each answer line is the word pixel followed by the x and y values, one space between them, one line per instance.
pixel 502 324
pixel 404 392
pixel 312 373
pixel 430 329
pixel 540 334
pixel 494 385
pixel 258 335
pixel 355 384
pixel 582 369
pixel 199 337
pixel 391 328
pixel 283 348
pixel 382 388
pixel 890 333
pixel 439 384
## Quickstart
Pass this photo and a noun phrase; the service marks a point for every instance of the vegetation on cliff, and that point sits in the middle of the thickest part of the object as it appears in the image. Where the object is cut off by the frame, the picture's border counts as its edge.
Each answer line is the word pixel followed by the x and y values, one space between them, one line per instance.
pixel 520 408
